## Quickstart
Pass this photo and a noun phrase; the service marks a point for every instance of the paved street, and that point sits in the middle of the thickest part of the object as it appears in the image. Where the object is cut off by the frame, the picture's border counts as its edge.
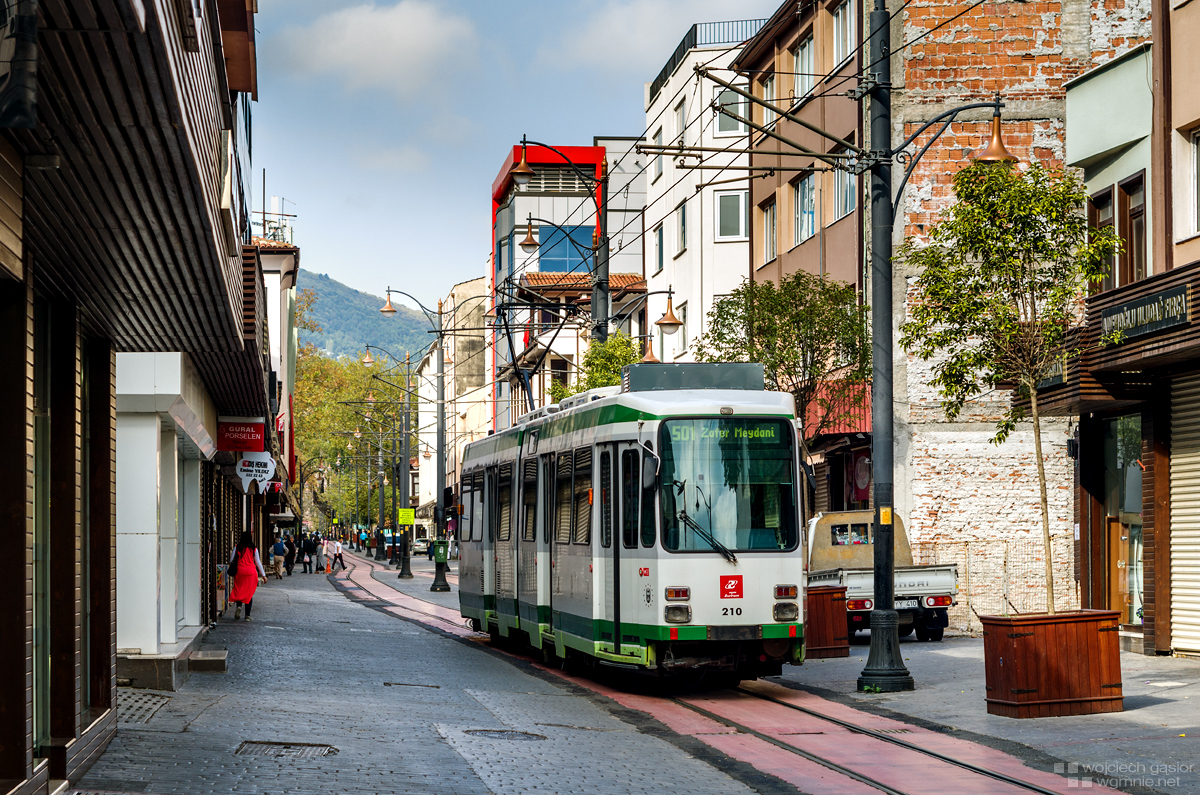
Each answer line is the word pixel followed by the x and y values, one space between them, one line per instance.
pixel 365 683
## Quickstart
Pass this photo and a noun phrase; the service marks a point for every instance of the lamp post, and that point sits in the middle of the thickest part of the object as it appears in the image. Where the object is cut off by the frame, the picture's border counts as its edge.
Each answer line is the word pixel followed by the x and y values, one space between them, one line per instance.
pixel 439 579
pixel 885 670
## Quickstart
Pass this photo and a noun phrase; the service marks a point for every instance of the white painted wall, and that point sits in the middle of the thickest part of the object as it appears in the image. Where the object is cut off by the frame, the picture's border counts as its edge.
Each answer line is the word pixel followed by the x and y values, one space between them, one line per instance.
pixel 138 572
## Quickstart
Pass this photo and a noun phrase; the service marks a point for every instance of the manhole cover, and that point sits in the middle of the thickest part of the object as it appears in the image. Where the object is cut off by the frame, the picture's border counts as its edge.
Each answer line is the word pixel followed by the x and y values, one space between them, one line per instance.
pixel 503 734
pixel 135 706
pixel 285 750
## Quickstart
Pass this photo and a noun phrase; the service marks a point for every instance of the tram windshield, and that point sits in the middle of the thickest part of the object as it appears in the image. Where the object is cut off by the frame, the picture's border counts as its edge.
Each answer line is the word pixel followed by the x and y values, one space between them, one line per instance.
pixel 728 485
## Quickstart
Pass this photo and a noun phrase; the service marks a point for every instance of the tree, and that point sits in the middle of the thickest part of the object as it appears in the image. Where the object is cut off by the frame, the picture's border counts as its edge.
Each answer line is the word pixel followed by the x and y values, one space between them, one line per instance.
pixel 1001 285
pixel 601 366
pixel 811 336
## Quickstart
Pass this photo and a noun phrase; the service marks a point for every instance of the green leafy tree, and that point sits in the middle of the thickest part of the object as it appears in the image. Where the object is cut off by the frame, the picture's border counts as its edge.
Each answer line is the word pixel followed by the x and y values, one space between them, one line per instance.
pixel 811 336
pixel 601 366
pixel 1001 285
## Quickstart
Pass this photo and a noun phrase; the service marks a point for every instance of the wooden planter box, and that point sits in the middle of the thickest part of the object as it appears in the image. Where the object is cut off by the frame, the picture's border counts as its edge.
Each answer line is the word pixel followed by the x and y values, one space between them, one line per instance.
pixel 1040 666
pixel 825 632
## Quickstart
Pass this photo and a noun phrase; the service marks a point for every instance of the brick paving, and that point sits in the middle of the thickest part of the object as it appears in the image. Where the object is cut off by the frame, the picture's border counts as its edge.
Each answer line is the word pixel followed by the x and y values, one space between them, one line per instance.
pixel 310 669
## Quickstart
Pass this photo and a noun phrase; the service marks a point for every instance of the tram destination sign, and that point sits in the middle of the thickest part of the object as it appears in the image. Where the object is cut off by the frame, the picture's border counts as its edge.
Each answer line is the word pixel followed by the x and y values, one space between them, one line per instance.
pixel 1153 313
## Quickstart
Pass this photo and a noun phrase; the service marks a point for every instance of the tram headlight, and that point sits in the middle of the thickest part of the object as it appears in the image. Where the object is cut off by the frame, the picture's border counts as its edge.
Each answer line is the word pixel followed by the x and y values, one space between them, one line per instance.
pixel 786 611
pixel 678 614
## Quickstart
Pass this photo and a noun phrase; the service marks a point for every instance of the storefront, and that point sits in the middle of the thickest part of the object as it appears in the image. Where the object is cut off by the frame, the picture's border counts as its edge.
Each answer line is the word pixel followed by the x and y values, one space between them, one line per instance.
pixel 1137 451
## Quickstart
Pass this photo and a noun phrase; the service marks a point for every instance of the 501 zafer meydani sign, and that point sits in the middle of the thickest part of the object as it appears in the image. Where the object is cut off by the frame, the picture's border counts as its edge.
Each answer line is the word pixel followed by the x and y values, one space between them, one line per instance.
pixel 1147 315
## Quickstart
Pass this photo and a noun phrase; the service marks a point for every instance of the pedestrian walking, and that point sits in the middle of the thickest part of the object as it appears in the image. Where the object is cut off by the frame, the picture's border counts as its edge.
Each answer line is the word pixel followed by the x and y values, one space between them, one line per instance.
pixel 278 551
pixel 289 557
pixel 337 556
pixel 362 540
pixel 309 549
pixel 245 564
pixel 429 551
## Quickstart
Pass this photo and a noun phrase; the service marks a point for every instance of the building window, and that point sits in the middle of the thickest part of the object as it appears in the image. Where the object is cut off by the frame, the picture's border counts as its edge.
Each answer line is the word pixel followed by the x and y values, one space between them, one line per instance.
pixel 804 195
pixel 682 314
pixel 1100 212
pixel 658 249
pixel 844 193
pixel 658 158
pixel 731 214
pixel 1132 198
pixel 680 119
pixel 560 253
pixel 802 61
pixel 844 43
pixel 768 88
pixel 1196 178
pixel 770 240
pixel 728 126
pixel 681 228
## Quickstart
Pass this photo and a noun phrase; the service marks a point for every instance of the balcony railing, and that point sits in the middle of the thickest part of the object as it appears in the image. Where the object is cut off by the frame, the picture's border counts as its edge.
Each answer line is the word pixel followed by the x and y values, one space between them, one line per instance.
pixel 705 34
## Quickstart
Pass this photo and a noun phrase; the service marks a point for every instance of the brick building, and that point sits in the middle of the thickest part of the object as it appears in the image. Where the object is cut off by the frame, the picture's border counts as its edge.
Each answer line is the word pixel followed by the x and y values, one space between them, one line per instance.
pixel 961 498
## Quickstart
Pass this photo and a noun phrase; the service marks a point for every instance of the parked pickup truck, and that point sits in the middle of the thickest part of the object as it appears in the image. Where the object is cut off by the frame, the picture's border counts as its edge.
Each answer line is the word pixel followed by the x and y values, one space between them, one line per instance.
pixel 841 552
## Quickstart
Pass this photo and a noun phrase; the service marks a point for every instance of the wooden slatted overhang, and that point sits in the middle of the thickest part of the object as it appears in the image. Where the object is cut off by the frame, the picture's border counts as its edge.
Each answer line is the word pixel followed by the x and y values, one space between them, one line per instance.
pixel 122 225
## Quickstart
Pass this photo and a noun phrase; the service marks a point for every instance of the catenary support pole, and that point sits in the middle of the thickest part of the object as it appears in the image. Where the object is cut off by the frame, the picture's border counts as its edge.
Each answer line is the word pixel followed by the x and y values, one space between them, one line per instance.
pixel 439 575
pixel 885 669
pixel 600 291
pixel 405 478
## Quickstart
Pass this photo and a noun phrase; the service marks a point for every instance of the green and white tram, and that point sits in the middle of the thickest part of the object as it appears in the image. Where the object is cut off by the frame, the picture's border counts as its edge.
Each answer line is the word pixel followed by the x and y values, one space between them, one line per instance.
pixel 653 526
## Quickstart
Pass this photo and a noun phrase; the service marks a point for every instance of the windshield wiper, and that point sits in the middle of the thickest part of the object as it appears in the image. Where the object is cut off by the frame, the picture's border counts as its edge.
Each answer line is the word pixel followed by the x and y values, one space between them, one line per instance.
pixel 725 551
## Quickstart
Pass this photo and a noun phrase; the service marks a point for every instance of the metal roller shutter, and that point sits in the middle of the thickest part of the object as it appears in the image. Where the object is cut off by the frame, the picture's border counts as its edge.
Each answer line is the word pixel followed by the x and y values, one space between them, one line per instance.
pixel 1185 514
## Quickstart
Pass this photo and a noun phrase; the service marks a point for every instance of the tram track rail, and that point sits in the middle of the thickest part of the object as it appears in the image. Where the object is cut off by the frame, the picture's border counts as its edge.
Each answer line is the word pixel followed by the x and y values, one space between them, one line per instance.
pixel 843 769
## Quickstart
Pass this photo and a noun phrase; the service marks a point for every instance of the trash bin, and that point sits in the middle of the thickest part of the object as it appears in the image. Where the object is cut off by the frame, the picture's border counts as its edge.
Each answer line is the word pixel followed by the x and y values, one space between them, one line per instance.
pixel 439 550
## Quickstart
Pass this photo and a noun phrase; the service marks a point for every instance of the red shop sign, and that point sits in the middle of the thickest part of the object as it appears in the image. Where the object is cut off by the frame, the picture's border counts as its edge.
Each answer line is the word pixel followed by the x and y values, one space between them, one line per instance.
pixel 240 436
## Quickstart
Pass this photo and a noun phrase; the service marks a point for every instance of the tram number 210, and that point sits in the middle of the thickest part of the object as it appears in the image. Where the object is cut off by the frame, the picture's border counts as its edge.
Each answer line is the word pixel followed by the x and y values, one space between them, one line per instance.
pixel 731 611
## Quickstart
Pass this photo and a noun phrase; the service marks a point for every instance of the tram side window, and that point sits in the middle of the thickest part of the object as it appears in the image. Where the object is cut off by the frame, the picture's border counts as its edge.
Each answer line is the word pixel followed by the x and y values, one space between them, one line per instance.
pixel 505 492
pixel 583 496
pixel 605 500
pixel 647 515
pixel 562 500
pixel 529 499
pixel 493 515
pixel 477 507
pixel 630 488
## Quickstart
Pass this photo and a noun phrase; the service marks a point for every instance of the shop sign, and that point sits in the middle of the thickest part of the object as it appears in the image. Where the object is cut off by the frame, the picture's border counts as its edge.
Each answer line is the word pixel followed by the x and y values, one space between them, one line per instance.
pixel 1056 375
pixel 256 466
pixel 241 435
pixel 407 516
pixel 1148 315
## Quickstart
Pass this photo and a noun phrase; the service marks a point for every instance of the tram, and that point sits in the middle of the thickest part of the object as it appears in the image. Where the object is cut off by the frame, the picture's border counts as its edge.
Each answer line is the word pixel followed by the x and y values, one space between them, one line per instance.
pixel 653 526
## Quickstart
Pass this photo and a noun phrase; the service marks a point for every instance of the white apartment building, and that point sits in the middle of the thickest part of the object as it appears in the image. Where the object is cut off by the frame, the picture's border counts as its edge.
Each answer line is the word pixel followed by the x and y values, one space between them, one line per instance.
pixel 696 219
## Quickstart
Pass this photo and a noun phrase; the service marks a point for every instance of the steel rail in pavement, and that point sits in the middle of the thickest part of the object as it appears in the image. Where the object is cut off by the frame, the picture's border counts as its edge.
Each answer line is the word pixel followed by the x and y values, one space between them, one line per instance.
pixel 983 771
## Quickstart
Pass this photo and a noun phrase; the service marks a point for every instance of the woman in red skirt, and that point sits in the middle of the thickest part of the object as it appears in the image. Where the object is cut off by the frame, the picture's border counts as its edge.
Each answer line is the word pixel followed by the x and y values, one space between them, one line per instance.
pixel 246 566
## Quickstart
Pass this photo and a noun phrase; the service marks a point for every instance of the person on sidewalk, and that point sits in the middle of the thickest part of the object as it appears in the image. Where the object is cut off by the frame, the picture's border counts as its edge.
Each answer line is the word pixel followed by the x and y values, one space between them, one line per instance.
pixel 278 550
pixel 337 557
pixel 321 557
pixel 289 558
pixel 362 540
pixel 309 550
pixel 246 566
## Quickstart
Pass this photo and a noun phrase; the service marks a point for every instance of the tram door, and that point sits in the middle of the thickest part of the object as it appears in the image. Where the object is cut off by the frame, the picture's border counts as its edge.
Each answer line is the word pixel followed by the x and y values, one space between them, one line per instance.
pixel 545 535
pixel 605 555
pixel 629 488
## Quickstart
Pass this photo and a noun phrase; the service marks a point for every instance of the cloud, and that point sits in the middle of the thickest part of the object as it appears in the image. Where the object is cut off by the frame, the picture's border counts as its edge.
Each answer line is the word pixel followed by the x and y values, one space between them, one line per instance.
pixel 401 48
pixel 639 35
pixel 405 158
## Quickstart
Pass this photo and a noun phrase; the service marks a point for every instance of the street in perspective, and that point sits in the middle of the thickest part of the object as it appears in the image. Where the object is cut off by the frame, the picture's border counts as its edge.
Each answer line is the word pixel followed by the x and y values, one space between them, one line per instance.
pixel 691 397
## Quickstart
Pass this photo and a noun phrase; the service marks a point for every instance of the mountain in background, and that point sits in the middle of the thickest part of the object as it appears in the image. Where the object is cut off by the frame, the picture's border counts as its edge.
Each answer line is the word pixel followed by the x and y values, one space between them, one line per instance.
pixel 351 320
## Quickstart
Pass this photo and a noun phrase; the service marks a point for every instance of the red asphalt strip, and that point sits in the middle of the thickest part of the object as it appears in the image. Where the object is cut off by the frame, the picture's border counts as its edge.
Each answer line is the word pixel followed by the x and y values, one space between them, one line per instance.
pixel 885 762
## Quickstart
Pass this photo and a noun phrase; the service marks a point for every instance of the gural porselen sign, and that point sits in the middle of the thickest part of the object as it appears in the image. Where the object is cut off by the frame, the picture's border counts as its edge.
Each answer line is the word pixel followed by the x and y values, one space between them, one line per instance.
pixel 1147 315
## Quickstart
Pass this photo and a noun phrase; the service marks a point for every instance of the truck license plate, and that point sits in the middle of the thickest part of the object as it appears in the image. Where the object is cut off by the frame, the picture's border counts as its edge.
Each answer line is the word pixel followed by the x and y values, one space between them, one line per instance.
pixel 906 604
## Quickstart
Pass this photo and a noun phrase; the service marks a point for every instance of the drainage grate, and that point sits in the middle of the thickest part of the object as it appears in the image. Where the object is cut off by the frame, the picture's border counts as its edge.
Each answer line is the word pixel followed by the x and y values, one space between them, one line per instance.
pixel 410 684
pixel 503 734
pixel 285 750
pixel 138 706
pixel 894 731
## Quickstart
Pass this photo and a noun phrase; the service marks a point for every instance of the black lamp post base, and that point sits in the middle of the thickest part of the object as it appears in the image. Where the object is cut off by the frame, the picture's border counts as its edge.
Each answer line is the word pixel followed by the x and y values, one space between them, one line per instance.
pixel 439 578
pixel 885 671
pixel 405 571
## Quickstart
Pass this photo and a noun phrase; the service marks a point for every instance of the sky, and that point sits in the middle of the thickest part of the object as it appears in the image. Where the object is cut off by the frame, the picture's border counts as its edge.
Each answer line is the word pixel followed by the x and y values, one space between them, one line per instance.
pixel 383 124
